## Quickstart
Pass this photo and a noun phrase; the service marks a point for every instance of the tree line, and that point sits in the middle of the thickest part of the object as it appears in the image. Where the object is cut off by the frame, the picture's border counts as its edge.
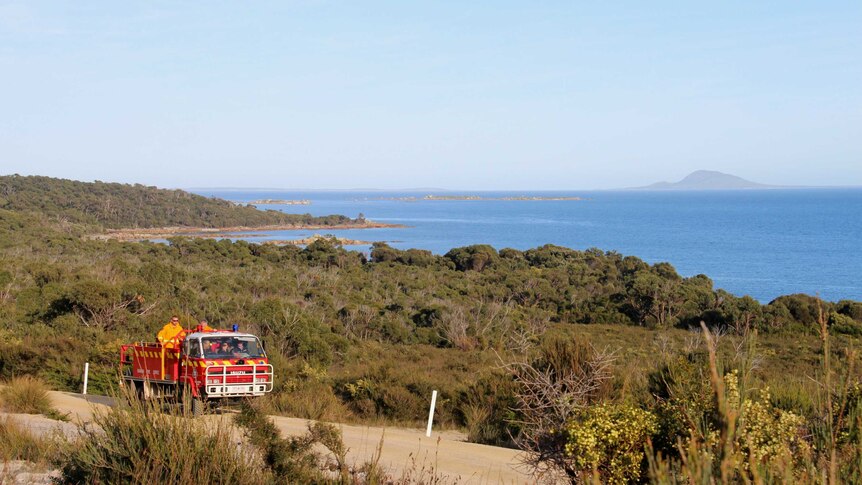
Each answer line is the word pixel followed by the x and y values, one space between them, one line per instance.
pixel 114 205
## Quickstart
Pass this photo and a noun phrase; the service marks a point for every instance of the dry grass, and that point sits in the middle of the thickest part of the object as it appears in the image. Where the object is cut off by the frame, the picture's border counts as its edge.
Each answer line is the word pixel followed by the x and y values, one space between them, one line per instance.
pixel 139 443
pixel 27 395
pixel 18 443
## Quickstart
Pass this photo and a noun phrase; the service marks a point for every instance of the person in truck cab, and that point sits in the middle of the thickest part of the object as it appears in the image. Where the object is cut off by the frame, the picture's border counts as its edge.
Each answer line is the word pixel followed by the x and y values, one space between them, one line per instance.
pixel 169 335
pixel 241 349
pixel 225 349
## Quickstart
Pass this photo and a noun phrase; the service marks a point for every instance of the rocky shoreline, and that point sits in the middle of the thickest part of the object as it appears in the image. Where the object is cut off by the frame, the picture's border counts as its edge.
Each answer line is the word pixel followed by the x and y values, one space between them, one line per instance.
pixel 140 234
pixel 308 240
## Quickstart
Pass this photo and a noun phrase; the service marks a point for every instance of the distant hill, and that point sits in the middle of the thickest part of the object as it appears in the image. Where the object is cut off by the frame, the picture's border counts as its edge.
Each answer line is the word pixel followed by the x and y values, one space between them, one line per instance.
pixel 114 205
pixel 707 180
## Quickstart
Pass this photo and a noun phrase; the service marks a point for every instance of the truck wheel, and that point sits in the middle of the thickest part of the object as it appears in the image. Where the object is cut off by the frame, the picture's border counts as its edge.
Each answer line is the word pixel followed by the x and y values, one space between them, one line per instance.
pixel 146 390
pixel 197 406
pixel 131 391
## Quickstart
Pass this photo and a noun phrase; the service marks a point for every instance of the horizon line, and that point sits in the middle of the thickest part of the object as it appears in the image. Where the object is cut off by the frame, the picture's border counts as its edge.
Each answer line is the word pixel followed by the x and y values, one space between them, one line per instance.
pixel 613 189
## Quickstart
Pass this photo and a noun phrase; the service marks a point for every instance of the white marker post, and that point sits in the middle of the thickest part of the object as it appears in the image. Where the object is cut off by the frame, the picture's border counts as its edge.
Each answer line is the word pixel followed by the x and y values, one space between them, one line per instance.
pixel 86 374
pixel 431 413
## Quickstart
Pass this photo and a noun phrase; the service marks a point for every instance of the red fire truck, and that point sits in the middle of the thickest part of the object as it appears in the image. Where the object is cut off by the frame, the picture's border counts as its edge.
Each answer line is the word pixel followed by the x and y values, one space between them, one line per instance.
pixel 203 366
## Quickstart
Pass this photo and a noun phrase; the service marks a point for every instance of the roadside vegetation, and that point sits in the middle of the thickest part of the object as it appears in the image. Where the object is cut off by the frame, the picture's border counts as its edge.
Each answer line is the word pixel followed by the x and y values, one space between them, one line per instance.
pixel 27 395
pixel 601 366
pixel 142 443
pixel 18 443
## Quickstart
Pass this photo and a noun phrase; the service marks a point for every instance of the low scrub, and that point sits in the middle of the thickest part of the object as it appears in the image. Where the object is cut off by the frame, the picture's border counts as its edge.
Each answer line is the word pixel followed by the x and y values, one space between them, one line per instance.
pixel 320 455
pixel 141 444
pixel 293 459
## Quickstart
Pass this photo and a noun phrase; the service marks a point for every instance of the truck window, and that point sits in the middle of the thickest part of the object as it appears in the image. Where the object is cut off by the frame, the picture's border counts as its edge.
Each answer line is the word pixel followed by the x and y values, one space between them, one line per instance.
pixel 248 347
pixel 194 348
pixel 212 347
pixel 232 347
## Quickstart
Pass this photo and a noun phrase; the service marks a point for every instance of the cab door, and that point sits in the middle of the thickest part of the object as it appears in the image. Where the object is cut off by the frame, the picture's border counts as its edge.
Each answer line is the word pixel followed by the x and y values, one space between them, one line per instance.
pixel 191 350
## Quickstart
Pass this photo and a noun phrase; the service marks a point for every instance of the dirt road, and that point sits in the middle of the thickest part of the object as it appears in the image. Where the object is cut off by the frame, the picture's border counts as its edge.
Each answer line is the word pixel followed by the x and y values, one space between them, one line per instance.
pixel 403 451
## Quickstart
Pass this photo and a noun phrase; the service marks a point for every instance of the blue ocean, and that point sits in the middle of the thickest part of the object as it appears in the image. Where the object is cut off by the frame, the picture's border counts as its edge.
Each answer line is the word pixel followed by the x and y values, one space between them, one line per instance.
pixel 762 243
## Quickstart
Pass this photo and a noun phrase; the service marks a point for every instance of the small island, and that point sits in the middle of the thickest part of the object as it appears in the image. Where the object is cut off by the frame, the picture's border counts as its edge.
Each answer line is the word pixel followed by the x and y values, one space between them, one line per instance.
pixel 432 197
pixel 280 202
pixel 707 180
pixel 539 198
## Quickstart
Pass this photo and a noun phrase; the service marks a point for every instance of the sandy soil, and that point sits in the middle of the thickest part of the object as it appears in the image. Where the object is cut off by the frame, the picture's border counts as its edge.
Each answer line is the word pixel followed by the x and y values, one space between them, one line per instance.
pixel 39 425
pixel 409 451
pixel 403 450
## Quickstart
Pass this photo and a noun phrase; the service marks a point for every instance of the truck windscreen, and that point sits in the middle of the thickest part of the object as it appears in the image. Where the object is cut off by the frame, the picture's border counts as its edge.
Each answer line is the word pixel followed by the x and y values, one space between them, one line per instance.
pixel 232 347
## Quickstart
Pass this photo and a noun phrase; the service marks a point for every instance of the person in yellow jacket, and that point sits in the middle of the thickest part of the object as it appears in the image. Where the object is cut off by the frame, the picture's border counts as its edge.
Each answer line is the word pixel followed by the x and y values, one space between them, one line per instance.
pixel 169 335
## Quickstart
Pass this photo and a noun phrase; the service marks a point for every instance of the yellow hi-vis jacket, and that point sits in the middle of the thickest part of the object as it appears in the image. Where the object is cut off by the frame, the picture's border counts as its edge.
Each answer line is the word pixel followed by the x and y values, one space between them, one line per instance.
pixel 169 335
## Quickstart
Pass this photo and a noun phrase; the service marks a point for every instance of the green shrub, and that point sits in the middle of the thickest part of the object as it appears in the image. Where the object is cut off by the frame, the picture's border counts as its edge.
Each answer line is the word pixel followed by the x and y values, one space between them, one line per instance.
pixel 685 401
pixel 291 460
pixel 477 257
pixel 486 409
pixel 840 323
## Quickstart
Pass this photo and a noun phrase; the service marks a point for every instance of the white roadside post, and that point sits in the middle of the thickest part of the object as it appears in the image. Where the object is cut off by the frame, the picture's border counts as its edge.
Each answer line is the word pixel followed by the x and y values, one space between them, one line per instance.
pixel 86 374
pixel 431 413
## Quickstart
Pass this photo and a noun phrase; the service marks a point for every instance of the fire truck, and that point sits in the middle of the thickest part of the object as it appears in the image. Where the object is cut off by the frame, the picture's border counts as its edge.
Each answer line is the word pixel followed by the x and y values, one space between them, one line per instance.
pixel 203 366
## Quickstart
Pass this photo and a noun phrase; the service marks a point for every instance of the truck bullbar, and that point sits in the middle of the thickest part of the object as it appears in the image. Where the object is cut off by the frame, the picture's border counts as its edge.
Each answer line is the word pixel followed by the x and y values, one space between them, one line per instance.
pixel 218 381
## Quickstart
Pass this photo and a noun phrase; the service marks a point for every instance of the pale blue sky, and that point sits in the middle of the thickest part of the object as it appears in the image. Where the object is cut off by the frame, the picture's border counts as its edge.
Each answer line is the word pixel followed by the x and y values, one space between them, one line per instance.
pixel 482 95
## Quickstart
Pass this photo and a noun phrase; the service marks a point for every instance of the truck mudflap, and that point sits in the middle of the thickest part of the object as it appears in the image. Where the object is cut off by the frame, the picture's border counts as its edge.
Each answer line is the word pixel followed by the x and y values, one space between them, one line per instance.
pixel 238 380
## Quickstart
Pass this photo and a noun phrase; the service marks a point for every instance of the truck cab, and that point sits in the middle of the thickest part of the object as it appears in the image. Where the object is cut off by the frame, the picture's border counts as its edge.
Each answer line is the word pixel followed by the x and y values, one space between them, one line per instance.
pixel 204 365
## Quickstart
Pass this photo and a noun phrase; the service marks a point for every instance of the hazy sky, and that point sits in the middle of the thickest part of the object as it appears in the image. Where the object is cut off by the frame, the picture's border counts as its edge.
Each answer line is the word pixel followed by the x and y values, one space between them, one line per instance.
pixel 483 95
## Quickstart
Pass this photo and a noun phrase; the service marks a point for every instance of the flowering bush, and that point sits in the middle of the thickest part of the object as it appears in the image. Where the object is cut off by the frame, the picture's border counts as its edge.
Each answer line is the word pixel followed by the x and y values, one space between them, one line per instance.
pixel 610 439
pixel 764 432
pixel 767 433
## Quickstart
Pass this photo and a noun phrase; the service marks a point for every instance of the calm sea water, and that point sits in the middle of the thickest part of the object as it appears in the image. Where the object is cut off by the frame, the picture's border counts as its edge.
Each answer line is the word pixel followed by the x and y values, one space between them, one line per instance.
pixel 762 243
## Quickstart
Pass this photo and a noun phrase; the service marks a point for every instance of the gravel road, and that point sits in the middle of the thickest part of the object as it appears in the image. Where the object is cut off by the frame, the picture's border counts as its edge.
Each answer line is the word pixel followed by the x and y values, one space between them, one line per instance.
pixel 403 451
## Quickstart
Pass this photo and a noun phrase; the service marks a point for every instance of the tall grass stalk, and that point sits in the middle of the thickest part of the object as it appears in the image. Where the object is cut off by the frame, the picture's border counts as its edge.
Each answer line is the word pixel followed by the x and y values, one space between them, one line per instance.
pixel 839 415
